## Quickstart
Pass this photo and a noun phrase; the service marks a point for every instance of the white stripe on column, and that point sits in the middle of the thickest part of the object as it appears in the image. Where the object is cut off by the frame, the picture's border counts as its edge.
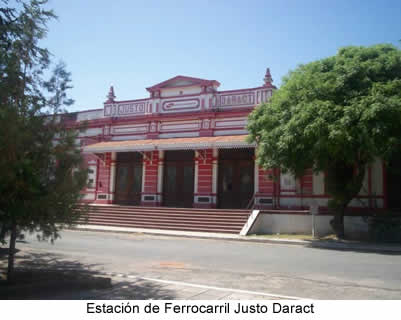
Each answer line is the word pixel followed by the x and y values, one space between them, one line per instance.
pixel 215 171
pixel 112 175
pixel 143 173
pixel 196 172
pixel 160 172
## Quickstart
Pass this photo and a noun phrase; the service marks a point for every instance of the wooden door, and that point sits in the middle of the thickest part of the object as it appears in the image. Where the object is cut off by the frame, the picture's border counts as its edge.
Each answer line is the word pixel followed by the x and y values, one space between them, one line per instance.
pixel 235 180
pixel 128 180
pixel 178 182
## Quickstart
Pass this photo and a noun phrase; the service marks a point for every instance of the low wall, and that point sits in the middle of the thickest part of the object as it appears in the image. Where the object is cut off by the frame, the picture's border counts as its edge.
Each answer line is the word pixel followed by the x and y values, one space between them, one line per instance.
pixel 271 223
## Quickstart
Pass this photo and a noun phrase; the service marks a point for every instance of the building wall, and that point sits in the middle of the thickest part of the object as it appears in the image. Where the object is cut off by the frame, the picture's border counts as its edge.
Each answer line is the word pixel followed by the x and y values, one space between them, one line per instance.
pixel 272 188
pixel 311 190
pixel 187 108
pixel 171 92
pixel 282 223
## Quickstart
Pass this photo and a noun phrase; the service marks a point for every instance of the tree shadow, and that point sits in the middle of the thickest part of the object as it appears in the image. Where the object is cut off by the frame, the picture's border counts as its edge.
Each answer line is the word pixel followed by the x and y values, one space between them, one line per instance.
pixel 136 289
pixel 4 252
pixel 50 276
pixel 372 248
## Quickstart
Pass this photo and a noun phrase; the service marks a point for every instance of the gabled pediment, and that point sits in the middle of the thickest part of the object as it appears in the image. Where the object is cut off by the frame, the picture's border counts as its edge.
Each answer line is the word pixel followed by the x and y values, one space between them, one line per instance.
pixel 183 81
pixel 180 83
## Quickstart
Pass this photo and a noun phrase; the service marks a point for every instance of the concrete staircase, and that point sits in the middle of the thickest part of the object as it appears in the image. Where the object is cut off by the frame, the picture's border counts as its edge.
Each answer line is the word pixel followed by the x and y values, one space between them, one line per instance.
pixel 183 219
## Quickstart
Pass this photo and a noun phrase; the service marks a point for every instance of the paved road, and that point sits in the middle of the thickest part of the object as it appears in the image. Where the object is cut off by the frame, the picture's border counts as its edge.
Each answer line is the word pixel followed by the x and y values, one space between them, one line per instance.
pixel 270 268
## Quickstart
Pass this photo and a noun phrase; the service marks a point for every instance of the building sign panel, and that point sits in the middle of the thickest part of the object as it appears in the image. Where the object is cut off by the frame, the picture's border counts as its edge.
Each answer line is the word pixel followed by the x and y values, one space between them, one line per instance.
pixel 125 109
pixel 181 105
pixel 237 99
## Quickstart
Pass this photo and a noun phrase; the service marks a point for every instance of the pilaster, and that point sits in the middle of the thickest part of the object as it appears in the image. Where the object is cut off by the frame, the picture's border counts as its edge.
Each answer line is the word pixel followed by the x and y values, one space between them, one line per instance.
pixel 150 195
pixel 103 194
pixel 112 176
pixel 160 174
pixel 203 186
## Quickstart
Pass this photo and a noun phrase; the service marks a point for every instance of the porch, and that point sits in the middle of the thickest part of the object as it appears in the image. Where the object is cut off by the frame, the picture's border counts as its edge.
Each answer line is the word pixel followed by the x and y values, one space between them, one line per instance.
pixel 204 172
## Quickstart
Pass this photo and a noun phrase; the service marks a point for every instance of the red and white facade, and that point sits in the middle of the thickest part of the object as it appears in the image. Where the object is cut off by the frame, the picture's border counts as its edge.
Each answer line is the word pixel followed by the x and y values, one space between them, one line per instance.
pixel 185 113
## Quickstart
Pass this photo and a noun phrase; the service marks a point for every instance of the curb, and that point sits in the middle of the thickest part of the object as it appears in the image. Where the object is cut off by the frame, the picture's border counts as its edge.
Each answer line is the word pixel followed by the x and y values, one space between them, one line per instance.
pixel 305 243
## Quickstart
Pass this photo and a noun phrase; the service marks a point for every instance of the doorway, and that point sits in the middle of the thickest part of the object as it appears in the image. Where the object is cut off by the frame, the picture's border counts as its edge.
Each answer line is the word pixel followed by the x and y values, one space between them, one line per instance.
pixel 235 178
pixel 128 178
pixel 178 180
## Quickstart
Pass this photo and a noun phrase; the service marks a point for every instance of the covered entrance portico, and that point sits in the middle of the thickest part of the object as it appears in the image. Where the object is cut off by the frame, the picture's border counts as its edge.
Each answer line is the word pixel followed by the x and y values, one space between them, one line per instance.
pixel 201 172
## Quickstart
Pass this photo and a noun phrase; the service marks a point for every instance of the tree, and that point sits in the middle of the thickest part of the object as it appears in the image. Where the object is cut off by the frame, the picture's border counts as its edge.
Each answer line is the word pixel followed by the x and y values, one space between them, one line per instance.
pixel 40 166
pixel 335 115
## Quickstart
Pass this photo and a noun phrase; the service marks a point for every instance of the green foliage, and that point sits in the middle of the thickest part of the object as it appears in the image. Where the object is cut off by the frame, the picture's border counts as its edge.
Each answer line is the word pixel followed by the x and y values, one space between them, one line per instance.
pixel 336 115
pixel 41 173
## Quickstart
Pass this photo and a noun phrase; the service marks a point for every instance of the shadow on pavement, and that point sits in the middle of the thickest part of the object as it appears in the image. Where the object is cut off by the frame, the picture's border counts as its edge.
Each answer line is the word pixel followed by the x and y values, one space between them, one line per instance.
pixel 52 276
pixel 4 253
pixel 372 248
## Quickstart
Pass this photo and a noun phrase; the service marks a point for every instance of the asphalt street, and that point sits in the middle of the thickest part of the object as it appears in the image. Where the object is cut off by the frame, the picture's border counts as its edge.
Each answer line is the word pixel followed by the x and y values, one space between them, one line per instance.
pixel 287 270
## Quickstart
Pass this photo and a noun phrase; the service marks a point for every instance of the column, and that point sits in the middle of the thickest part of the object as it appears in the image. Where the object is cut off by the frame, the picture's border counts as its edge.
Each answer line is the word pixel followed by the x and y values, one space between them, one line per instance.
pixel 203 186
pixel 160 174
pixel 103 182
pixel 112 176
pixel 149 179
pixel 196 173
pixel 215 172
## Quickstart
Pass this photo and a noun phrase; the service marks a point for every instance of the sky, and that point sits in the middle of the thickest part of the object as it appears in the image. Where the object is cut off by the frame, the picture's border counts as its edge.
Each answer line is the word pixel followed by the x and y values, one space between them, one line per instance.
pixel 136 44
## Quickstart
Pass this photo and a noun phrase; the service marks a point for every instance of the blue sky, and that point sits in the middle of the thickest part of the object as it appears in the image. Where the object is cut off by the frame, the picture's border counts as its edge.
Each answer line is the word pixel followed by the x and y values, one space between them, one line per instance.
pixel 136 44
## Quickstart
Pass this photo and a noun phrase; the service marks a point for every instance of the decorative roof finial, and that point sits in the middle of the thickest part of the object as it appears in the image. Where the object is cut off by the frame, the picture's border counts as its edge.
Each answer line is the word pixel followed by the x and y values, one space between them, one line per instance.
pixel 111 96
pixel 268 79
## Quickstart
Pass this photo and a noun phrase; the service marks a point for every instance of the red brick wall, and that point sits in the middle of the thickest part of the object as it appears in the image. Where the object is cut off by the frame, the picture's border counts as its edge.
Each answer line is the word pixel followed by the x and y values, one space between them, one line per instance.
pixel 103 181
pixel 150 177
pixel 307 182
pixel 266 182
pixel 205 172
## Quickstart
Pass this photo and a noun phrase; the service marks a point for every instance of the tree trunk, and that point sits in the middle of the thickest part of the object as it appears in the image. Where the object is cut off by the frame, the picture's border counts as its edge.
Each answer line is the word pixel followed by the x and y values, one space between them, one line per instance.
pixel 337 223
pixel 11 253
pixel 3 231
pixel 344 182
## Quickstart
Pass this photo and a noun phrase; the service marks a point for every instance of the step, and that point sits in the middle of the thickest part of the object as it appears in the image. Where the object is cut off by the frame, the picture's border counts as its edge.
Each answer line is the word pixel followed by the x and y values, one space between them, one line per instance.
pixel 175 212
pixel 186 228
pixel 167 209
pixel 160 207
pixel 164 221
pixel 170 216
pixel 156 211
pixel 188 221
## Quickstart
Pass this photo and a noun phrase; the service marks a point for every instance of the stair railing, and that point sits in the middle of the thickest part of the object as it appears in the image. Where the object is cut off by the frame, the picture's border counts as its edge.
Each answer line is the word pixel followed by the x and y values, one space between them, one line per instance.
pixel 251 203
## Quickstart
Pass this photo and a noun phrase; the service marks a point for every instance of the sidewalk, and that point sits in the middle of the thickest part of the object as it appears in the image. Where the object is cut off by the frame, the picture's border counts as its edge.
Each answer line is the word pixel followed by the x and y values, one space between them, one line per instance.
pixel 346 245
pixel 126 287
pixel 49 276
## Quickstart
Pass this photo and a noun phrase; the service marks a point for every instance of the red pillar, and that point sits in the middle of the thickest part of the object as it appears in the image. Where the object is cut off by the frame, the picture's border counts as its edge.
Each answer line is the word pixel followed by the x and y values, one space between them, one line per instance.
pixel 103 180
pixel 203 193
pixel 150 196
